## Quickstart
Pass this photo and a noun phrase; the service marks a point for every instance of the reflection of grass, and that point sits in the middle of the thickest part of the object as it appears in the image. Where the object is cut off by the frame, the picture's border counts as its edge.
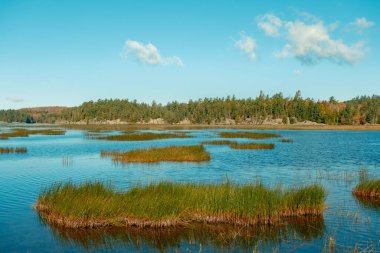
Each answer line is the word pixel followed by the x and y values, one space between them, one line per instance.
pixel 218 142
pixel 250 135
pixel 222 237
pixel 252 146
pixel 23 132
pixel 368 189
pixel 169 204
pixel 170 154
pixel 12 150
pixel 142 136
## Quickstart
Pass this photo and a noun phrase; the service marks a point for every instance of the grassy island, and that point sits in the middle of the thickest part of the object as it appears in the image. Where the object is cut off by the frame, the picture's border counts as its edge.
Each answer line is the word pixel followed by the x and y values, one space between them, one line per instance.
pixel 143 136
pixel 218 142
pixel 252 146
pixel 168 204
pixel 195 153
pixel 287 141
pixel 249 135
pixel 369 189
pixel 12 150
pixel 23 132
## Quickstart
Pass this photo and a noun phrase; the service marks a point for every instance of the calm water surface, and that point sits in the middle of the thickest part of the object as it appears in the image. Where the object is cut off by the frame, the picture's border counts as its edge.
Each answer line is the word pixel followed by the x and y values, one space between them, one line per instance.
pixel 332 158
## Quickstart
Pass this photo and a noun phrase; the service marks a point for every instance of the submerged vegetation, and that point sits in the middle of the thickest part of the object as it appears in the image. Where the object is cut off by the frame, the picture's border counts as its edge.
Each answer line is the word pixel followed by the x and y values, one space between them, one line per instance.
pixel 252 145
pixel 196 153
pixel 368 188
pixel 359 110
pixel 249 135
pixel 12 150
pixel 142 136
pixel 23 132
pixel 165 204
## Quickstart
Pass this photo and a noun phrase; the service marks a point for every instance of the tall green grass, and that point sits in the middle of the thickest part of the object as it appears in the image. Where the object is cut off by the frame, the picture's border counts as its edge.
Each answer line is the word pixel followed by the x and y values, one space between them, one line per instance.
pixel 249 135
pixel 368 188
pixel 165 204
pixel 196 153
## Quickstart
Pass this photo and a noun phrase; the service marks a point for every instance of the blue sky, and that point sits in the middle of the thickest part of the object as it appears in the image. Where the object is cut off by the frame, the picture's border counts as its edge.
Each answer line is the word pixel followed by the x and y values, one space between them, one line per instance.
pixel 68 52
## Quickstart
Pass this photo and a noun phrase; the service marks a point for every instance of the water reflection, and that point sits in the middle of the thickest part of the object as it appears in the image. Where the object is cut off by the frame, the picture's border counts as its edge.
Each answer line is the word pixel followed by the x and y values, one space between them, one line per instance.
pixel 195 237
pixel 368 203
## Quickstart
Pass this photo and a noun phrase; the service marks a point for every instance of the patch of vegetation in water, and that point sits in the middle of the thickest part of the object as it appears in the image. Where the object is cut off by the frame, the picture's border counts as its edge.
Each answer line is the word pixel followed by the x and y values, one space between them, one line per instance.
pixel 252 145
pixel 23 132
pixel 170 204
pixel 249 135
pixel 368 188
pixel 196 153
pixel 287 141
pixel 218 142
pixel 142 136
pixel 12 150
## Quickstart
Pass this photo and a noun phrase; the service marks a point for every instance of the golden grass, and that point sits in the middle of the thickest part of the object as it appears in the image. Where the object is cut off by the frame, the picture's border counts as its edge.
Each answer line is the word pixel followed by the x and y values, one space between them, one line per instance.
pixel 369 189
pixel 23 132
pixel 142 136
pixel 249 135
pixel 12 150
pixel 195 153
pixel 168 204
pixel 252 146
pixel 218 142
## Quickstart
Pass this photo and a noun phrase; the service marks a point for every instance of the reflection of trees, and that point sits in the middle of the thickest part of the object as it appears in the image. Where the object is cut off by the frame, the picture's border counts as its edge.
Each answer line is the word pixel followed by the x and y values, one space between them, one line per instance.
pixel 218 237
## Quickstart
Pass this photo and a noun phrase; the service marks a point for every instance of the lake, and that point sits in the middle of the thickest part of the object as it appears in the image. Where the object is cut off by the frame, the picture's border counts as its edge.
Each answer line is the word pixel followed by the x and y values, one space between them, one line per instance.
pixel 331 158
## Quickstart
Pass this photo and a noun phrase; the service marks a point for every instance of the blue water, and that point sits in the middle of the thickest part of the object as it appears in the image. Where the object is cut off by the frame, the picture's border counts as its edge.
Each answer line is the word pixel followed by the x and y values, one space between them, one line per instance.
pixel 332 158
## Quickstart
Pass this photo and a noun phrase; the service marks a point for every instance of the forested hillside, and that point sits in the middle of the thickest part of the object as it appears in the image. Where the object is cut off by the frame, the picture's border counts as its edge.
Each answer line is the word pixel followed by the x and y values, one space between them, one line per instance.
pixel 360 110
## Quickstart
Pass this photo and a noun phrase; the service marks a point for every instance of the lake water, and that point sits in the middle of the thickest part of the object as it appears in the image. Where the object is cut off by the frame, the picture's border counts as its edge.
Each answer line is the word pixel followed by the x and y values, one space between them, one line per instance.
pixel 331 158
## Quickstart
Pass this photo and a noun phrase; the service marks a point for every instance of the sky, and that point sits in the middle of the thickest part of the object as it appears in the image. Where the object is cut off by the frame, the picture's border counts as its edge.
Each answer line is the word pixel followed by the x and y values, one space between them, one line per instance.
pixel 68 52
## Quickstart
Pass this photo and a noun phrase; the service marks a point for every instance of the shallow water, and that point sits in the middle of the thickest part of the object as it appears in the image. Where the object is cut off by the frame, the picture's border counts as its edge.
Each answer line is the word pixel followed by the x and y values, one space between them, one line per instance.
pixel 332 158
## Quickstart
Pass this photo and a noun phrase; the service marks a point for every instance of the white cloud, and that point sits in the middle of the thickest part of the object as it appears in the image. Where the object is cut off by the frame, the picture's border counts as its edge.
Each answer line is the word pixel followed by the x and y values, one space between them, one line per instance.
pixel 15 99
pixel 312 43
pixel 360 24
pixel 247 45
pixel 148 54
pixel 270 24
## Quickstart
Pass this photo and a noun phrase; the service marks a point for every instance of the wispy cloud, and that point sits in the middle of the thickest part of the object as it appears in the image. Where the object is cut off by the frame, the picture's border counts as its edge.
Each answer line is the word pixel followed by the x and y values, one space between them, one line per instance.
pixel 361 24
pixel 148 54
pixel 270 24
pixel 15 99
pixel 247 45
pixel 310 41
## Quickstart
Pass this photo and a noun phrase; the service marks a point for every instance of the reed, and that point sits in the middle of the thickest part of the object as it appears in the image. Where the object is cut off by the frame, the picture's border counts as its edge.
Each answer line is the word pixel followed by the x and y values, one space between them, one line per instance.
pixel 252 145
pixel 142 136
pixel 218 142
pixel 169 204
pixel 195 153
pixel 249 135
pixel 23 132
pixel 12 150
pixel 369 188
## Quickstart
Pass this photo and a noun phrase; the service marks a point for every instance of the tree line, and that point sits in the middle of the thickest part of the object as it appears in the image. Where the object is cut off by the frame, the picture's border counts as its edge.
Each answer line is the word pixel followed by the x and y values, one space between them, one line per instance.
pixel 359 110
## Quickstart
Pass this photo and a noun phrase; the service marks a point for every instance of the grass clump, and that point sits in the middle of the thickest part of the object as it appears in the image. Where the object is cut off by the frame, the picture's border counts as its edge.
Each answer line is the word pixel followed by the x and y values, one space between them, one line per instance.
pixel 23 132
pixel 218 142
pixel 165 204
pixel 12 150
pixel 368 188
pixel 252 146
pixel 195 153
pixel 249 135
pixel 144 136
pixel 287 141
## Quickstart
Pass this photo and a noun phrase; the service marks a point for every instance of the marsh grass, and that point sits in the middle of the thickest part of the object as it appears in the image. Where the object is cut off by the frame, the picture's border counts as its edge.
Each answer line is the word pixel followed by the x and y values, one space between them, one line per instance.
pixel 287 141
pixel 249 135
pixel 168 204
pixel 368 188
pixel 196 153
pixel 12 150
pixel 252 145
pixel 23 132
pixel 218 142
pixel 142 136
